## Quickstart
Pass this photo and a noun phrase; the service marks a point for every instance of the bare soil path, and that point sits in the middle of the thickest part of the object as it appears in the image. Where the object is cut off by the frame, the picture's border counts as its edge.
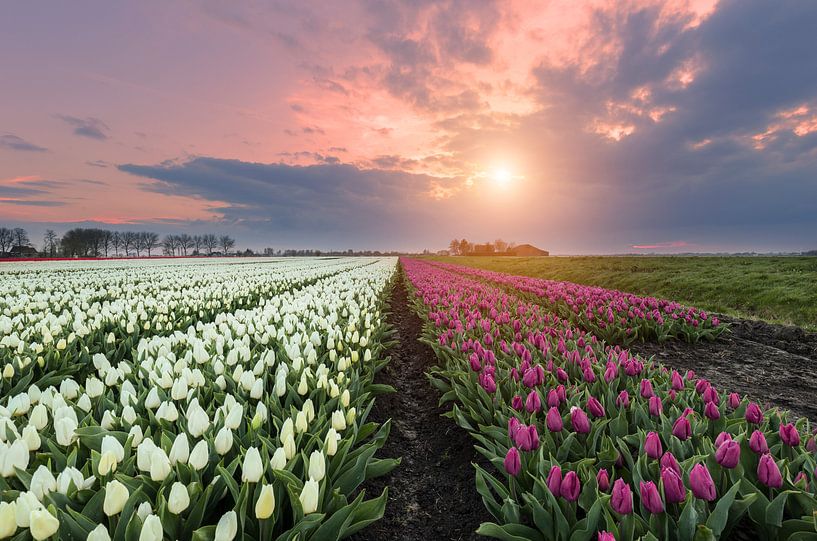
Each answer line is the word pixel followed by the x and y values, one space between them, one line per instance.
pixel 432 493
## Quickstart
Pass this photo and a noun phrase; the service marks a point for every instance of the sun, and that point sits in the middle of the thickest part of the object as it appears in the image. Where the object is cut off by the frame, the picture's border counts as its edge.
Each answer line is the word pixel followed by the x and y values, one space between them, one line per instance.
pixel 502 177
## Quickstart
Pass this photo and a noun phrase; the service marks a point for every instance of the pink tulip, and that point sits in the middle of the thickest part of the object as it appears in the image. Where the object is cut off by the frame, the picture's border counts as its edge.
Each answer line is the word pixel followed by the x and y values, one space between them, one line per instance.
pixel 650 498
pixel 554 480
pixel 757 442
pixel 603 480
pixel 513 462
pixel 561 375
pixel 677 381
pixel 473 359
pixel 722 437
pixel 711 411
pixel 674 489
pixel 700 481
pixel 728 454
pixel 594 407
pixel 606 536
pixel 789 435
pixel 646 388
pixel 622 498
pixel 516 403
pixel 753 413
pixel 682 429
pixel 579 420
pixel 668 461
pixel 570 487
pixel 623 399
pixel 553 399
pixel 553 420
pixel 768 473
pixel 655 406
pixel 811 445
pixel 652 446
pixel 802 480
pixel 734 400
pixel 533 404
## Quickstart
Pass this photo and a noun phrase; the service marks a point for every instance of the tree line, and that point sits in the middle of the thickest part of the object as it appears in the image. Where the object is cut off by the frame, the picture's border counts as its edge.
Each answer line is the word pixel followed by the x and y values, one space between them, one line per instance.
pixel 464 247
pixel 93 242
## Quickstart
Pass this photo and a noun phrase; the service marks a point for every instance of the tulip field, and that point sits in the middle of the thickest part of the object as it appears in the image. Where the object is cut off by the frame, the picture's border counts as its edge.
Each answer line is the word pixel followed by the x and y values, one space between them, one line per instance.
pixel 590 442
pixel 191 400
pixel 227 399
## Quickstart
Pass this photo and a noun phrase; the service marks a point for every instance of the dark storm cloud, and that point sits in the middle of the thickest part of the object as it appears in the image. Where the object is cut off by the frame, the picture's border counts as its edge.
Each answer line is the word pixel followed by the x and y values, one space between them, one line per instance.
pixel 90 127
pixel 328 198
pixel 13 142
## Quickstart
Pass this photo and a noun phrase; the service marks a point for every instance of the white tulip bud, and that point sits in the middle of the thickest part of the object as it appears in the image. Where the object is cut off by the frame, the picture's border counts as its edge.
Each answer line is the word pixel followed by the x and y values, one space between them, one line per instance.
pixel 159 465
pixel 265 505
pixel 227 527
pixel 42 482
pixel 338 421
pixel 43 524
pixel 309 496
pixel 100 533
pixel 151 529
pixel 331 442
pixel 116 496
pixel 317 466
pixel 253 467
pixel 179 499
pixel 224 441
pixel 8 523
pixel 279 459
pixel 200 455
pixel 180 451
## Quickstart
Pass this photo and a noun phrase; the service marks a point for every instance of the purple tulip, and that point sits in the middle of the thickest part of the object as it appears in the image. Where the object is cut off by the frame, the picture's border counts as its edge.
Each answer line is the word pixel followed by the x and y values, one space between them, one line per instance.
pixel 603 480
pixel 529 378
pixel 622 498
pixel 553 399
pixel 711 411
pixel 682 429
pixel 594 407
pixel 768 473
pixel 789 435
pixel 668 461
pixel 734 400
pixel 690 375
pixel 753 413
pixel 579 420
pixel 802 479
pixel 652 446
pixel 700 481
pixel 533 404
pixel 516 403
pixel 561 393
pixel 677 381
pixel 711 395
pixel 646 388
pixel 811 445
pixel 476 366
pixel 571 486
pixel 623 399
pixel 757 442
pixel 513 427
pixel 674 489
pixel 606 536
pixel 722 437
pixel 554 480
pixel 655 406
pixel 561 375
pixel 489 384
pixel 701 386
pixel 513 462
pixel 611 373
pixel 553 420
pixel 650 498
pixel 728 454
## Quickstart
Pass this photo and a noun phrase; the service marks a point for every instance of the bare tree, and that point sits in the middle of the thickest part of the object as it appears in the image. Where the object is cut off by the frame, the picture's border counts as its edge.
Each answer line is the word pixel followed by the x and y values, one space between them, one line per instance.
pixel 20 237
pixel 198 244
pixel 6 239
pixel 50 242
pixel 128 242
pixel 169 245
pixel 107 241
pixel 151 241
pixel 465 247
pixel 116 242
pixel 454 247
pixel 210 242
pixel 500 246
pixel 226 242
pixel 185 242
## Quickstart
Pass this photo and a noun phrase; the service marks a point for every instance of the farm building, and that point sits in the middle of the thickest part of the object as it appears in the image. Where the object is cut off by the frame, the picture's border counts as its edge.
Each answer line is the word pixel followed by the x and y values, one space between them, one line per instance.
pixel 527 250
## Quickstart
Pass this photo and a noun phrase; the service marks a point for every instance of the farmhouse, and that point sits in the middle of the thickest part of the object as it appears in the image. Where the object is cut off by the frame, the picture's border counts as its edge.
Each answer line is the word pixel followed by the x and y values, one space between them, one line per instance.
pixel 527 250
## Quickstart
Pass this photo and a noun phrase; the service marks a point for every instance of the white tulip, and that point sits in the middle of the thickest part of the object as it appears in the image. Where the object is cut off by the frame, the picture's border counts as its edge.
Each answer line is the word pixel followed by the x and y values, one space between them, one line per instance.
pixel 317 465
pixel 84 403
pixel 253 467
pixel 38 416
pixel 233 419
pixel 279 459
pixel 100 533
pixel 309 496
pixel 111 444
pixel 152 401
pixel 42 482
pixel 159 465
pixel 144 452
pixel 300 423
pixel 180 451
pixel 107 463
pixel 179 499
pixel 331 442
pixel 200 455
pixel 143 511
pixel 224 441
pixel 265 505
pixel 151 529
pixel 13 456
pixel 289 447
pixel 116 496
pixel 338 421
pixel 43 524
pixel 8 523
pixel 136 435
pixel 227 527
pixel 31 437
pixel 64 429
pixel 26 503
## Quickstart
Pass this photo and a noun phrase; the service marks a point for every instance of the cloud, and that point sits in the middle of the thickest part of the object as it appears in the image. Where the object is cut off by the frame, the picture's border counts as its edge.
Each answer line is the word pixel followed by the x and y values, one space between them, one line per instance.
pixel 12 142
pixel 90 127
pixel 97 163
pixel 663 245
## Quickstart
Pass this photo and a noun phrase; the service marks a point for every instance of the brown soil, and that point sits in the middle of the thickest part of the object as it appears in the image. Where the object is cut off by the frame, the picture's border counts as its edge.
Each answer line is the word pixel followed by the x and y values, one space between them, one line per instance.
pixel 432 493
pixel 774 364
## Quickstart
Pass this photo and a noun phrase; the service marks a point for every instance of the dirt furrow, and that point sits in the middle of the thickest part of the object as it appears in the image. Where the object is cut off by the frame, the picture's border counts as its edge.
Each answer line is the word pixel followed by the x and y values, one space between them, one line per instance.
pixel 432 494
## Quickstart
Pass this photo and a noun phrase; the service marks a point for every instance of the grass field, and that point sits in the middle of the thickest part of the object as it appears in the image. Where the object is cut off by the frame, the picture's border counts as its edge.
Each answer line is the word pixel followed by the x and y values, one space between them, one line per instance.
pixel 776 289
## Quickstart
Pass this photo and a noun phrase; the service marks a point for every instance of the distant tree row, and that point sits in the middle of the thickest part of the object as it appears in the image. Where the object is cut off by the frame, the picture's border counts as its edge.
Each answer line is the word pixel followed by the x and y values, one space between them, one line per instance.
pixel 463 247
pixel 93 242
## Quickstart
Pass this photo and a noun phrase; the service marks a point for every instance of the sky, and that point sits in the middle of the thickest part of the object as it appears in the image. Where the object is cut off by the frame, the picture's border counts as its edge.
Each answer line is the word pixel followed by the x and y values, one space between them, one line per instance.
pixel 580 127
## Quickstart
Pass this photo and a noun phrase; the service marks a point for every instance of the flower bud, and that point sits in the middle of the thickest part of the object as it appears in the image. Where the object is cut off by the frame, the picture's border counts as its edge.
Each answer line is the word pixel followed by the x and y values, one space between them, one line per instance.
pixel 265 505
pixel 512 462
pixel 700 481
pixel 116 495
pixel 309 496
pixel 179 499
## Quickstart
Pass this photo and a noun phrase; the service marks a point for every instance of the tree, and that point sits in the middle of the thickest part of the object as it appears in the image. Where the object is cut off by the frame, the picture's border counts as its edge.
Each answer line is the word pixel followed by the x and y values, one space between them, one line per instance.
pixel 128 242
pixel 20 236
pixel 454 247
pixel 198 244
pixel 210 242
pixel 226 242
pixel 6 239
pixel 500 246
pixel 50 242
pixel 116 242
pixel 107 241
pixel 185 242
pixel 150 241
pixel 465 247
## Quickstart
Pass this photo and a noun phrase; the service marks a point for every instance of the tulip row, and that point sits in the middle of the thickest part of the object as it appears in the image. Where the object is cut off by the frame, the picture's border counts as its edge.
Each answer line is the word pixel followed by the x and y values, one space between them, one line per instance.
pixel 250 425
pixel 615 316
pixel 588 441
pixel 58 311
